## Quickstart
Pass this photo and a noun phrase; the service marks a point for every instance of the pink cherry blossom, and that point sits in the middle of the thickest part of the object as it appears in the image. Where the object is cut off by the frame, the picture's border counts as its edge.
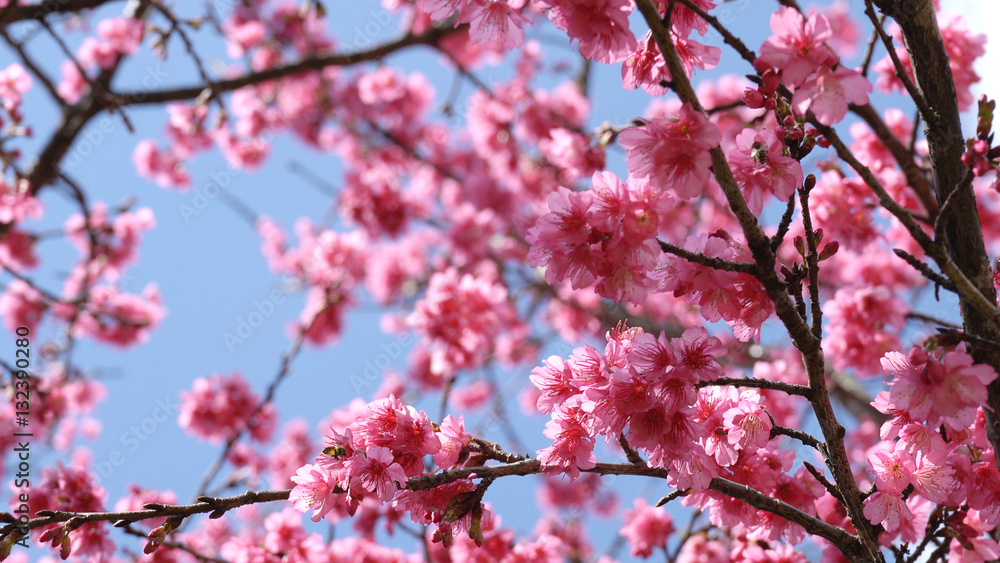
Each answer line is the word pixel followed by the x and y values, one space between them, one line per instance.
pixel 673 152
pixel 920 378
pixel 573 446
pixel 893 470
pixel 797 47
pixel 496 22
pixel 601 27
pixel 646 527
pixel 378 473
pixel 829 91
pixel 219 406
pixel 887 509
pixel 747 425
pixel 760 166
pixel 314 489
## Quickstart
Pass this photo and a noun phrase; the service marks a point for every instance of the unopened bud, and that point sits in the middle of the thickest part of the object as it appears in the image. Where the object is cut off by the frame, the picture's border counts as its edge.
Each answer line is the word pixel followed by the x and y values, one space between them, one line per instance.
pixel 829 250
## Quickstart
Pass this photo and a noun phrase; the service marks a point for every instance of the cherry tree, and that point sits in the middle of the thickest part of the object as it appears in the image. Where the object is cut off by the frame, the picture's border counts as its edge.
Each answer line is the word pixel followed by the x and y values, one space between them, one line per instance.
pixel 744 301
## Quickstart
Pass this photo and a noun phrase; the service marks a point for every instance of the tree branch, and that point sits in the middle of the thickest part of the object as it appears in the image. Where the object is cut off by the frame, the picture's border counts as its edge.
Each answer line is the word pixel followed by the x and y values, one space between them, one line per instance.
pixel 311 63
pixel 800 333
pixel 15 13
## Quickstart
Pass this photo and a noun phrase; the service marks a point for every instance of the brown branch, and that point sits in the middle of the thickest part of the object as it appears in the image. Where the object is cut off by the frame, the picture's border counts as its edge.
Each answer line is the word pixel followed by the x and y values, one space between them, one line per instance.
pixel 962 255
pixel 811 258
pixel 15 13
pixel 46 166
pixel 799 435
pixel 784 224
pixel 904 156
pixel 847 543
pixel 901 74
pixel 715 263
pixel 153 510
pixel 801 334
pixel 311 63
pixel 790 388
pixel 870 49
pixel 34 68
pixel 630 454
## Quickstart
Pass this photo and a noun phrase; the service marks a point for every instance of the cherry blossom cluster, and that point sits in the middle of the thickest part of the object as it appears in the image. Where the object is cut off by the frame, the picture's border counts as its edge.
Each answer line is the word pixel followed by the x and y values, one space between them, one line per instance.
pixel 935 452
pixel 448 225
pixel 219 407
pixel 644 389
pixel 116 37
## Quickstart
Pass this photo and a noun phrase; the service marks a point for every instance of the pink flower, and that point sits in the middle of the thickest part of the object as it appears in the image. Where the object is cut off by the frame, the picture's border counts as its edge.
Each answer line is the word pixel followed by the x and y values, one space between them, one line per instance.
pixel 844 30
pixel 22 305
pixel 796 47
pixel 646 527
pixel 73 85
pixel 97 53
pixel 963 48
pixel 933 477
pixel 829 91
pixel 462 316
pixel 892 469
pixel 164 167
pixel 673 153
pixel 115 317
pixel 600 27
pixel 554 381
pixel 314 489
pixel 760 167
pixel 122 33
pixel 864 324
pixel 14 83
pixel 377 472
pixel 218 406
pixel 573 446
pixel 453 441
pixel 496 22
pixel 17 203
pixel 442 9
pixel 887 509
pixel 645 68
pixel 946 390
pixel 747 424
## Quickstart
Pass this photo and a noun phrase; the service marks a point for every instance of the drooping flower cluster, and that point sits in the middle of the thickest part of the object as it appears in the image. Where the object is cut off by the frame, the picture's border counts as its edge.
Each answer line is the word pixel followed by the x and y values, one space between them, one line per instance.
pixel 939 447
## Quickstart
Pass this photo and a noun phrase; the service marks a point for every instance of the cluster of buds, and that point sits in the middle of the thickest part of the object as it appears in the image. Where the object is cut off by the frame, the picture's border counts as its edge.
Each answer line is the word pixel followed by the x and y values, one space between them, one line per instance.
pixel 978 155
pixel 766 94
pixel 793 132
pixel 159 534
pixel 59 538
